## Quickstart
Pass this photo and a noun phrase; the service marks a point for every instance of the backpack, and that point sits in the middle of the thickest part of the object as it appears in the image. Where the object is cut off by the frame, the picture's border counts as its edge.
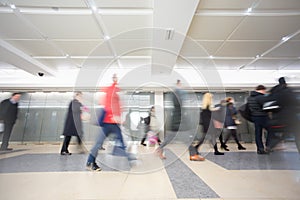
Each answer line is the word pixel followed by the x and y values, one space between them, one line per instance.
pixel 245 112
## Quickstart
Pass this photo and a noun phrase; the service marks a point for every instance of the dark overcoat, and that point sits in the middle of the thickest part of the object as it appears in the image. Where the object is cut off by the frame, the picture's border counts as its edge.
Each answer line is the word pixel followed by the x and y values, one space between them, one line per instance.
pixel 73 123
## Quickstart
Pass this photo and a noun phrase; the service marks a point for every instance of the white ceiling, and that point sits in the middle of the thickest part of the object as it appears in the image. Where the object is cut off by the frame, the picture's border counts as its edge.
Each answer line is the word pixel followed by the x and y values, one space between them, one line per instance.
pixel 62 37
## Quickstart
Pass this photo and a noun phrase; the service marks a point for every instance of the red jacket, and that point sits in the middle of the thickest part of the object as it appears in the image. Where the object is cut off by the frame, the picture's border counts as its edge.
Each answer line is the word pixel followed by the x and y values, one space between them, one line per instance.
pixel 112 105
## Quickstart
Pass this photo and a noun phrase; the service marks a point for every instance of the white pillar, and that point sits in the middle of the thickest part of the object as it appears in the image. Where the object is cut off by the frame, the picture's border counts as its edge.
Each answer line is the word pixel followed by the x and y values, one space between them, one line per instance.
pixel 159 109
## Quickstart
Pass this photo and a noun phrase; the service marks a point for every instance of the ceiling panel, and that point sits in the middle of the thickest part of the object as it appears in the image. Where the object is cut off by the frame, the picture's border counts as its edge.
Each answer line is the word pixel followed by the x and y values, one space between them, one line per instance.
pixel 288 49
pixel 78 48
pixel 274 64
pixel 124 3
pixel 133 47
pixel 60 63
pixel 244 48
pixel 36 47
pixel 266 28
pixel 66 26
pixel 212 28
pixel 230 63
pixel 225 4
pixel 49 3
pixel 14 27
pixel 199 48
pixel 278 4
pixel 117 26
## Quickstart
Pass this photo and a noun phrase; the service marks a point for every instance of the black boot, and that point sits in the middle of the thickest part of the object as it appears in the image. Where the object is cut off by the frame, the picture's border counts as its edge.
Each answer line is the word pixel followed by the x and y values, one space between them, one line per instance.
pixel 224 146
pixel 240 147
pixel 217 151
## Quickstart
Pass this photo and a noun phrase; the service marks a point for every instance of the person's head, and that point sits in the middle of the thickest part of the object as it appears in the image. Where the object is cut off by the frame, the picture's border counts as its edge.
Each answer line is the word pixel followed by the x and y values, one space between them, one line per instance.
pixel 260 89
pixel 281 81
pixel 115 78
pixel 178 82
pixel 16 96
pixel 207 100
pixel 229 100
pixel 78 95
pixel 152 110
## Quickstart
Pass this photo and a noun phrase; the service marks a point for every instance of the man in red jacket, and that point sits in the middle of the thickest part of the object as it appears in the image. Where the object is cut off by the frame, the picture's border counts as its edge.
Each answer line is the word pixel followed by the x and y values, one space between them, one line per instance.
pixel 111 124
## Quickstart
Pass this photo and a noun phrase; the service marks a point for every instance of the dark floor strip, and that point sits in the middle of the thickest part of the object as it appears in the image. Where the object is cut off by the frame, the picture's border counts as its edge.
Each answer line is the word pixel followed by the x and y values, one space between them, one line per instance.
pixel 58 163
pixel 185 182
pixel 254 161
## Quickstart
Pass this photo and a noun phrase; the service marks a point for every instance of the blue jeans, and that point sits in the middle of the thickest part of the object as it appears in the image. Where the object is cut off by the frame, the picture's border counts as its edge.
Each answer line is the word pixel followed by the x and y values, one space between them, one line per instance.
pixel 261 122
pixel 107 129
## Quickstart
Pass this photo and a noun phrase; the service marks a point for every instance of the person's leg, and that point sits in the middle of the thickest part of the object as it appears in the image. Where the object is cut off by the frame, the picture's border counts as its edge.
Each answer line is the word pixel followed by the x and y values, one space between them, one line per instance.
pixel 99 142
pixel 143 139
pixel 6 135
pixel 227 136
pixel 258 135
pixel 235 137
pixel 213 133
pixel 64 149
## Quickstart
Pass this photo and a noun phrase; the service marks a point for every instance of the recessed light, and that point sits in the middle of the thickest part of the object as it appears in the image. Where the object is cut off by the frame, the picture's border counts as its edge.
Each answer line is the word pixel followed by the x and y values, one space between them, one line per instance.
pixel 12 6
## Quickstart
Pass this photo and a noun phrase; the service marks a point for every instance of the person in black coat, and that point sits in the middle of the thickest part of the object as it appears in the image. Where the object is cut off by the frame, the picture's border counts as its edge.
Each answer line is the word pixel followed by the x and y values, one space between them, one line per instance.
pixel 260 118
pixel 286 115
pixel 9 113
pixel 73 123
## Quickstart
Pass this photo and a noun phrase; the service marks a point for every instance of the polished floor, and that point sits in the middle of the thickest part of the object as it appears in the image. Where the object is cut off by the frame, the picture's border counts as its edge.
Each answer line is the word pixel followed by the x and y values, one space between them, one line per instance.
pixel 38 171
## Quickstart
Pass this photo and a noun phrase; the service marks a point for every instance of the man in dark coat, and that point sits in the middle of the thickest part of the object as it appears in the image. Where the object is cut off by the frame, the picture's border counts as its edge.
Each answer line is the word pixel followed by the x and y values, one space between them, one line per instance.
pixel 259 117
pixel 73 123
pixel 9 113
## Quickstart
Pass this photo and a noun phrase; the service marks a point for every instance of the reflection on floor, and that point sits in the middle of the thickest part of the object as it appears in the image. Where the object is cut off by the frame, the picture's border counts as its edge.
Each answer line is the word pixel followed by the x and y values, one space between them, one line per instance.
pixel 39 170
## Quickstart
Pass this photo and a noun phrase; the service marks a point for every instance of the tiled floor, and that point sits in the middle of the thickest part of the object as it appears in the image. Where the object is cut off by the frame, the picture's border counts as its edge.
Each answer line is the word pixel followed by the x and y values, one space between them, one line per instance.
pixel 40 172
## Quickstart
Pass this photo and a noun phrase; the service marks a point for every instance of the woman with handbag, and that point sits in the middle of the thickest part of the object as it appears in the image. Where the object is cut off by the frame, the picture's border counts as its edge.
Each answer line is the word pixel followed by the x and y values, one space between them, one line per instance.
pixel 231 122
pixel 208 127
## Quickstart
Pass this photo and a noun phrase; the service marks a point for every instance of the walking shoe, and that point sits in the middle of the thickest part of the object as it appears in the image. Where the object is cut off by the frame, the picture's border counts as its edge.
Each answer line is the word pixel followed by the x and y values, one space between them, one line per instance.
pixel 196 158
pixel 240 147
pixel 93 167
pixel 160 154
pixel 218 153
pixel 65 153
pixel 262 152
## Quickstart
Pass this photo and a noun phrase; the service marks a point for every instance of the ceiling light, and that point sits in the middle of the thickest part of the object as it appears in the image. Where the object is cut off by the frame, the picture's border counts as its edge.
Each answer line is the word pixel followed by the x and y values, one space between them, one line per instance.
pixel 285 38
pixel 12 6
pixel 211 57
pixel 106 37
pixel 249 10
pixel 94 8
pixel 257 56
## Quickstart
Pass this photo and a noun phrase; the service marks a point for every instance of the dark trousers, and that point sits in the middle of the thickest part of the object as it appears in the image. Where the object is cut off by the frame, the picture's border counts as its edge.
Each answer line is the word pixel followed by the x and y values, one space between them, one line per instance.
pixel 106 130
pixel 67 142
pixel 212 132
pixel 233 133
pixel 260 123
pixel 6 134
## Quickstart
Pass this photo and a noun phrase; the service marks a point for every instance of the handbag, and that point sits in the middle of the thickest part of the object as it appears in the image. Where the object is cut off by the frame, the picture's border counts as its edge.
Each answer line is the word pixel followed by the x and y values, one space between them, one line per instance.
pixel 217 124
pixel 237 121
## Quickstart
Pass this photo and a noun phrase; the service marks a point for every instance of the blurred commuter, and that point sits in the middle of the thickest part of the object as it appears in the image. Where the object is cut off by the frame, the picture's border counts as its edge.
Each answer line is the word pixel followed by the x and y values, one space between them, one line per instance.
pixel 111 125
pixel 153 125
pixel 284 119
pixel 176 118
pixel 208 127
pixel 9 113
pixel 222 106
pixel 231 122
pixel 73 124
pixel 259 117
